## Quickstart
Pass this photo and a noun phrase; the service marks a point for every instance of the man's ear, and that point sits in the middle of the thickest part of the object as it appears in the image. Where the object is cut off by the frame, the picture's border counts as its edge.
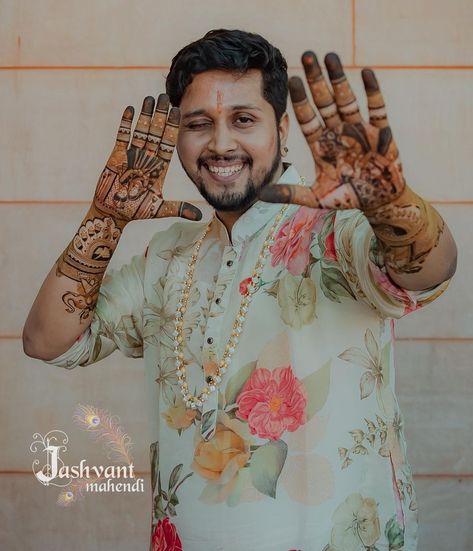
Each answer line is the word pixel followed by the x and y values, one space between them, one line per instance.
pixel 283 128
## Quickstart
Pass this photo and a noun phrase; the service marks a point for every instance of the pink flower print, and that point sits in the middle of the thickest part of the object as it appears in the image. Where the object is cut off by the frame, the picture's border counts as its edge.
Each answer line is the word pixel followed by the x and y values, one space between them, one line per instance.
pixel 389 287
pixel 272 401
pixel 292 242
pixel 165 537
pixel 244 286
pixel 330 252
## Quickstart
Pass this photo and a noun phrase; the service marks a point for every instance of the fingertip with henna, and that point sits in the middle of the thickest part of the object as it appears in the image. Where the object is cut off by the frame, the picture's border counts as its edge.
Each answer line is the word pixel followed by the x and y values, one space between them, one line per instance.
pixel 296 89
pixel 190 212
pixel 174 115
pixel 311 65
pixel 129 112
pixel 334 65
pixel 309 58
pixel 148 105
pixel 163 102
pixel 369 80
pixel 275 194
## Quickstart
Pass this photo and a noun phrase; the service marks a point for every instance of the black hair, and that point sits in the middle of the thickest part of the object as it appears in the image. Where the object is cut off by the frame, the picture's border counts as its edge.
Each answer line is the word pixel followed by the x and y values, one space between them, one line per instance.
pixel 235 51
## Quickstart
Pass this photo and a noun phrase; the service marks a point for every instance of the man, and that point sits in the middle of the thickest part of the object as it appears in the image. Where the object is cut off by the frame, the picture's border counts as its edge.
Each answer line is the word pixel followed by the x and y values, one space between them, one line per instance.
pixel 265 332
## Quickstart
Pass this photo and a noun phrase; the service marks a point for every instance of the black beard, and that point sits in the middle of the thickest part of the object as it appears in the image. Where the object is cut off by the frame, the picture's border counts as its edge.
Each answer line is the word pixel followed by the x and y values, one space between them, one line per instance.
pixel 237 201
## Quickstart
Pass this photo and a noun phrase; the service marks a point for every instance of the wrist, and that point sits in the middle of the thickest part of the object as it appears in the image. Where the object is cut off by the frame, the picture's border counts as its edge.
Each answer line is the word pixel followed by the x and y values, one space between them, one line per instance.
pixel 90 250
pixel 97 212
pixel 408 228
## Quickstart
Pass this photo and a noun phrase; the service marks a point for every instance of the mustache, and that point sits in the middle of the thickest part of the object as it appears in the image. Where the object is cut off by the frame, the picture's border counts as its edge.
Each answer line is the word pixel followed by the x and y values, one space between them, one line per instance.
pixel 228 158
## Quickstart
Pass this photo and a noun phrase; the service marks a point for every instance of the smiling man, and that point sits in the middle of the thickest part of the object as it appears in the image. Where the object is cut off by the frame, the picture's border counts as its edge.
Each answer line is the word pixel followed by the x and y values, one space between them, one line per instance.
pixel 228 149
pixel 266 330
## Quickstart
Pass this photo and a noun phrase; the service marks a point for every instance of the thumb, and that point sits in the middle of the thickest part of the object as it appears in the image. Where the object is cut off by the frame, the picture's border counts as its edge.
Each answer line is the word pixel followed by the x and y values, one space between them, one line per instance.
pixel 289 193
pixel 181 209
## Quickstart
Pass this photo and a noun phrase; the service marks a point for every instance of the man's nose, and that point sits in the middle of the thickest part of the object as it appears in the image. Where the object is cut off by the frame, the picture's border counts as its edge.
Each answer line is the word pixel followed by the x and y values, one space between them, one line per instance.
pixel 222 140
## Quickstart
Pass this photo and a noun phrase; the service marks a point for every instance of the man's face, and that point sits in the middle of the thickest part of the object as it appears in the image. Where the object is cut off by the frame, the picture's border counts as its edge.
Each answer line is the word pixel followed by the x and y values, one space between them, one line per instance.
pixel 229 141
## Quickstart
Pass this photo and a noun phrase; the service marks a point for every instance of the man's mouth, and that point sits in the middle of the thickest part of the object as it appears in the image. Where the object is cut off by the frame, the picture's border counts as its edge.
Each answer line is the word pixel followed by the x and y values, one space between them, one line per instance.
pixel 224 171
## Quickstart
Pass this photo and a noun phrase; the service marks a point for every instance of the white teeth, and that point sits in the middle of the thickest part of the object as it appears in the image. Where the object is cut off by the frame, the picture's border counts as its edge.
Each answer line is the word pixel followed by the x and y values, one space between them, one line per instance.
pixel 225 170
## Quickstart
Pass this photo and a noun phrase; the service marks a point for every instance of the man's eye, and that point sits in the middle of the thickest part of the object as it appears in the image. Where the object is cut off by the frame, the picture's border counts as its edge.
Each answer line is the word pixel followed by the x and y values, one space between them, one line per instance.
pixel 197 125
pixel 244 120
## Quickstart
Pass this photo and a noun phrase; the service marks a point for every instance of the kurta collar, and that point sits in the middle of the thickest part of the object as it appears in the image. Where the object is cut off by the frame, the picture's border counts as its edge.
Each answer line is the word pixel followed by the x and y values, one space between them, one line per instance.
pixel 258 215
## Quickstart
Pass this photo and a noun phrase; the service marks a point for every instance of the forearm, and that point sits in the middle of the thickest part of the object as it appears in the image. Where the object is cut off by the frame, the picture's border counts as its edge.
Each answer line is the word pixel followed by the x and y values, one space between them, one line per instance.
pixel 65 304
pixel 419 249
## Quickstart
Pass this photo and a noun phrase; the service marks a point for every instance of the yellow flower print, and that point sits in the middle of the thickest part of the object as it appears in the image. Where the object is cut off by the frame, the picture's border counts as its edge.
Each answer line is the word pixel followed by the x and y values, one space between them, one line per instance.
pixel 356 524
pixel 178 416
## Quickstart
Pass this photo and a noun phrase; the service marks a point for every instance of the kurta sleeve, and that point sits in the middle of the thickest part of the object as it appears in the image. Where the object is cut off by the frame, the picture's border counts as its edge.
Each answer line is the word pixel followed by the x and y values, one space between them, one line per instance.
pixel 117 321
pixel 362 263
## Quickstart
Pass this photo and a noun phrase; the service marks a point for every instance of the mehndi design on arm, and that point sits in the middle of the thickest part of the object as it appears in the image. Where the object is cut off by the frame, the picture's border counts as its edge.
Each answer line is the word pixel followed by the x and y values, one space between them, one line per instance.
pixel 85 260
pixel 358 165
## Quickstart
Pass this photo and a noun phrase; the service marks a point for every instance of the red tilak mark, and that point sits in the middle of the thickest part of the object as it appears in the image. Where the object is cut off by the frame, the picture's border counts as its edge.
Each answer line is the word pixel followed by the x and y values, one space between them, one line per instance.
pixel 219 101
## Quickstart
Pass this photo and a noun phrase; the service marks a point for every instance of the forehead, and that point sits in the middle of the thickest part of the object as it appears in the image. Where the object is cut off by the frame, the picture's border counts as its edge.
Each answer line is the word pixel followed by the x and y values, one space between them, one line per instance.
pixel 228 88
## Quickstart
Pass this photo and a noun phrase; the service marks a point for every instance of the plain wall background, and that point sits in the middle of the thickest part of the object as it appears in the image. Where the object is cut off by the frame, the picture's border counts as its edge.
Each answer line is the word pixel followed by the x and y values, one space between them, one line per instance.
pixel 67 70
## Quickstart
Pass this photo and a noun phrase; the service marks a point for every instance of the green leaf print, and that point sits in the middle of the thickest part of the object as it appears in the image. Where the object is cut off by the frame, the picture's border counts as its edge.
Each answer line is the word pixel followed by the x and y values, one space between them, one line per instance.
pixel 266 465
pixel 333 284
pixel 208 421
pixel 317 385
pixel 174 478
pixel 394 534
pixel 154 460
pixel 165 502
pixel 236 383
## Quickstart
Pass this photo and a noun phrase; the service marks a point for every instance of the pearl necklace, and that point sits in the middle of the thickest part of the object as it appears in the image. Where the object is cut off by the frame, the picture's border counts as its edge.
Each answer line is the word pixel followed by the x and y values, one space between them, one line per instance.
pixel 213 380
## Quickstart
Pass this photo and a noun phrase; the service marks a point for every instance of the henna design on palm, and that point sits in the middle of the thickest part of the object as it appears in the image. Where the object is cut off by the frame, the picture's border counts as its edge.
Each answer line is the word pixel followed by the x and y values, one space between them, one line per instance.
pixel 357 164
pixel 131 185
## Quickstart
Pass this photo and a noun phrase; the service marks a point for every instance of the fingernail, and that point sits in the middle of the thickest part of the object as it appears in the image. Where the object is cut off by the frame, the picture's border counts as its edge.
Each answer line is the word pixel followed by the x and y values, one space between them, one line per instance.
pixel 296 89
pixel 190 212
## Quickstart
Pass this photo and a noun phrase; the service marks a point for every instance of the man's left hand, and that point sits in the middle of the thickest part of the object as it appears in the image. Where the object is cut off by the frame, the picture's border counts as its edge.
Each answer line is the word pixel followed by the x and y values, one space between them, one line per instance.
pixel 357 162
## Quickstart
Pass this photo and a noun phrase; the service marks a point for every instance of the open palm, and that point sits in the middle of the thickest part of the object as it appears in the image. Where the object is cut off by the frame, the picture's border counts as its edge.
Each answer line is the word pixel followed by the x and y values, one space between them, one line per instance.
pixel 131 184
pixel 357 163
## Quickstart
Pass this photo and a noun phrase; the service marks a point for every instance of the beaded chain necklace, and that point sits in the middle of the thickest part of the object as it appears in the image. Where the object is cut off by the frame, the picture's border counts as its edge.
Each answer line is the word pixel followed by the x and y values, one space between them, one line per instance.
pixel 213 380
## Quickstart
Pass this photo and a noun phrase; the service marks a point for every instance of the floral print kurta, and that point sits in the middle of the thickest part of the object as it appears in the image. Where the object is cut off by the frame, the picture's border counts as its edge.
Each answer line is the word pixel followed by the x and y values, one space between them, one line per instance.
pixel 302 447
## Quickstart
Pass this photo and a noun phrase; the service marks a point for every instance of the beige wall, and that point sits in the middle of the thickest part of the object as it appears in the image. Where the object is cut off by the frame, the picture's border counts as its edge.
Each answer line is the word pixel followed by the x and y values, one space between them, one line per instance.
pixel 67 69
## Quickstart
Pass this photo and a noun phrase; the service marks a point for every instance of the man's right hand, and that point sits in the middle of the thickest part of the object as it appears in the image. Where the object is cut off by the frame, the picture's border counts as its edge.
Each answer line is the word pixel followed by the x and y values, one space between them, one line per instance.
pixel 131 184
pixel 129 188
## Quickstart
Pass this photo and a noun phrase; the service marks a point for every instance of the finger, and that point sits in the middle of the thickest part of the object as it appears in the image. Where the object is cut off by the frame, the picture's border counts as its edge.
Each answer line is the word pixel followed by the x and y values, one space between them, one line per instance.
pixel 140 134
pixel 288 193
pixel 178 208
pixel 124 130
pixel 169 139
pixel 306 116
pixel 320 91
pixel 344 96
pixel 158 123
pixel 376 106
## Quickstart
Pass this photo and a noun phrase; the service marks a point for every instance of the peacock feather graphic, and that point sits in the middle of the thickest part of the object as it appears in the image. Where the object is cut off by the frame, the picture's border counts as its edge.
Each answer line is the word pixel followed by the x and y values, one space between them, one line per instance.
pixel 105 428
